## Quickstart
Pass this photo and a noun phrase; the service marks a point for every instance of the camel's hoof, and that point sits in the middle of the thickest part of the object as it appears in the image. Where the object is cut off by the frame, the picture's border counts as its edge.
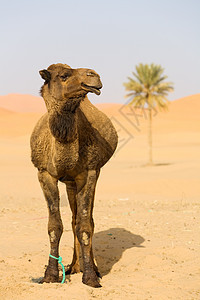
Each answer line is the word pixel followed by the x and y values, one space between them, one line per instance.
pixel 50 275
pixel 73 269
pixel 91 281
pixel 49 278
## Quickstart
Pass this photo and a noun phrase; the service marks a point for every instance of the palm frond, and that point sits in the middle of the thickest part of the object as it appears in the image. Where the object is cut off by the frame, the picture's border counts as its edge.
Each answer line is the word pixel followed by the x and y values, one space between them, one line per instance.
pixel 138 101
pixel 148 87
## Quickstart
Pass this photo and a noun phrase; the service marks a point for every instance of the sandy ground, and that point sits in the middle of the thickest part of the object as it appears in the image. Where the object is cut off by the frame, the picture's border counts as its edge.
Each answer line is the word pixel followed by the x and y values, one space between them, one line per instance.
pixel 147 219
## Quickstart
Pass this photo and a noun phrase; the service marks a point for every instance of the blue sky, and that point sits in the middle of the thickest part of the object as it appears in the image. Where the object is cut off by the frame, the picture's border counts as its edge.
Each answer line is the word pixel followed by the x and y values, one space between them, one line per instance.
pixel 109 36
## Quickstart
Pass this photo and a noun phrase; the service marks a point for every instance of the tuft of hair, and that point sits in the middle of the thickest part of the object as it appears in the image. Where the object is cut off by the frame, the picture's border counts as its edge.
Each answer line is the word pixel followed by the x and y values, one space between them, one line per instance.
pixel 41 91
pixel 54 66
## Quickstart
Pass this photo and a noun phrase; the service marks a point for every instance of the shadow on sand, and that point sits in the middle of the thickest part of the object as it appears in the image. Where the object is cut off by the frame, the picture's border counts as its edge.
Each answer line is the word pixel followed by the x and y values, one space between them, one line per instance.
pixel 157 164
pixel 109 245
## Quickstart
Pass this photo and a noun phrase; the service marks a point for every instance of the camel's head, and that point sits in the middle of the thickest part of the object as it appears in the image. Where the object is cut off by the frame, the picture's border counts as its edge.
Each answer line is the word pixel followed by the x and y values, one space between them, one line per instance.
pixel 64 83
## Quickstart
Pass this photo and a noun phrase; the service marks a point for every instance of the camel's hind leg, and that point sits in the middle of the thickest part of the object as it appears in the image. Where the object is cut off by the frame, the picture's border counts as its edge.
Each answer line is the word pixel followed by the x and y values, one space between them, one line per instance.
pixel 55 227
pixel 71 192
pixel 86 183
pixel 74 267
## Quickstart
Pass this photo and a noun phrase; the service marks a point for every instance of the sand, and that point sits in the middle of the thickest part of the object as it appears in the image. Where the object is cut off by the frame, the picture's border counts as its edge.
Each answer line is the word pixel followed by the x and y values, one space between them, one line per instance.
pixel 22 103
pixel 147 219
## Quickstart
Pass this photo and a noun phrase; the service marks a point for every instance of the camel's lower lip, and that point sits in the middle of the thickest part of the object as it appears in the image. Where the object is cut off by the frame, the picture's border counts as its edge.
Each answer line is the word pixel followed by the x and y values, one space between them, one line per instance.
pixel 92 89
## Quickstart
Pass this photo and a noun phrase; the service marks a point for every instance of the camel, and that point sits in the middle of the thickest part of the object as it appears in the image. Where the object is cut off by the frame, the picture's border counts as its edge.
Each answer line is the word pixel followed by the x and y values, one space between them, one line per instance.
pixel 70 143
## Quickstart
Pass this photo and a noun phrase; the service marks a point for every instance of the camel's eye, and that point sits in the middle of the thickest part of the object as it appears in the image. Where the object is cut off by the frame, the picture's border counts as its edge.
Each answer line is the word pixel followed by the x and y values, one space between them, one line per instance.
pixel 64 77
pixel 89 73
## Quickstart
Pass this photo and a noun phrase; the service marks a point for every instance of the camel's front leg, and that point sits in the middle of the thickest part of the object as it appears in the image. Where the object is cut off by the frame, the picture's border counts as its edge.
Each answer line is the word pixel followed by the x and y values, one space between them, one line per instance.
pixel 55 227
pixel 71 192
pixel 86 183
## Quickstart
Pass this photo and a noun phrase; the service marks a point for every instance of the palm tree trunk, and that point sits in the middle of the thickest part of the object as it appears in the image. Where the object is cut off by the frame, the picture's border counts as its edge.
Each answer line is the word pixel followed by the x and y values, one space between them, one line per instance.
pixel 150 136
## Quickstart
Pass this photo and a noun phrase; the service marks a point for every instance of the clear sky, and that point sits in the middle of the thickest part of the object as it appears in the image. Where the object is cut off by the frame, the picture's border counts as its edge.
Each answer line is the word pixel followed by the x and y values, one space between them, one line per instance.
pixel 109 36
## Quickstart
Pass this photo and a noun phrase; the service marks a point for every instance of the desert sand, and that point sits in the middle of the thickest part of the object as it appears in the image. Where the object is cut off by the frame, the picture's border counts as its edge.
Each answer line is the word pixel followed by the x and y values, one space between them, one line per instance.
pixel 147 219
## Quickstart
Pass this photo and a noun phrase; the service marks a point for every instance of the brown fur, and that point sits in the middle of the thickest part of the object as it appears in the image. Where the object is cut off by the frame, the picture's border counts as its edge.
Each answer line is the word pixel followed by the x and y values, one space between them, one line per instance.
pixel 70 143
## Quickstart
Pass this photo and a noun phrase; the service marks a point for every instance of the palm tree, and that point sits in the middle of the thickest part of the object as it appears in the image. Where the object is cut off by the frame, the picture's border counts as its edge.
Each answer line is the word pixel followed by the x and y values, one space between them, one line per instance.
pixel 148 90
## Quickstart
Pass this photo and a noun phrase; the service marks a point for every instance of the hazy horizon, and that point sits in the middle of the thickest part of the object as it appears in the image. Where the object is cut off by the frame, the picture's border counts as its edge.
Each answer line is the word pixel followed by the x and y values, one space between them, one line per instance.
pixel 110 37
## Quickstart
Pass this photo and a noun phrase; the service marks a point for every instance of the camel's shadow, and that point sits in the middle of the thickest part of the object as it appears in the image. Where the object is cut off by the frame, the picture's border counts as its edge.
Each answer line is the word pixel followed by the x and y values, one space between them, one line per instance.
pixel 109 245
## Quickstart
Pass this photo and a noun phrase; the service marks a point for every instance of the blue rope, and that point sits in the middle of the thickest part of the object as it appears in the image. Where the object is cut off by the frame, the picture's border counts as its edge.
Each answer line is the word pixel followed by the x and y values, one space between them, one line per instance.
pixel 59 259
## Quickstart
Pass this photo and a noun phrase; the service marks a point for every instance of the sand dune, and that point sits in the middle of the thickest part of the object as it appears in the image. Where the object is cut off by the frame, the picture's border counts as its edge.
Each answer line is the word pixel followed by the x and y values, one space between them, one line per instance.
pixel 14 124
pixel 4 112
pixel 147 219
pixel 188 107
pixel 183 115
pixel 22 103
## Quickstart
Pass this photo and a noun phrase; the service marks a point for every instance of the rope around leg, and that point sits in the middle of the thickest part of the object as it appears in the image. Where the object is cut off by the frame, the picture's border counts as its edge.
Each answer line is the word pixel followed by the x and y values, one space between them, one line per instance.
pixel 59 259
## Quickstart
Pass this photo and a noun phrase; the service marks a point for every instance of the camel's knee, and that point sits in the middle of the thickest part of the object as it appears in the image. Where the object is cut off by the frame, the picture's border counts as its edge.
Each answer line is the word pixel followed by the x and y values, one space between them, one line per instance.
pixel 55 231
pixel 85 238
pixel 53 236
pixel 84 234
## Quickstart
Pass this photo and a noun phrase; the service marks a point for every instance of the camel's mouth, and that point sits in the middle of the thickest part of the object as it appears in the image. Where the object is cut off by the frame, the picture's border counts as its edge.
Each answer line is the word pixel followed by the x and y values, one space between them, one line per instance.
pixel 92 89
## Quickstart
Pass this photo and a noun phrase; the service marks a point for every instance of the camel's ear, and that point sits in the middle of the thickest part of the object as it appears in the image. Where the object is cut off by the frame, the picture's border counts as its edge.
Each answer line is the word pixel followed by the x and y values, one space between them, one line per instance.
pixel 46 75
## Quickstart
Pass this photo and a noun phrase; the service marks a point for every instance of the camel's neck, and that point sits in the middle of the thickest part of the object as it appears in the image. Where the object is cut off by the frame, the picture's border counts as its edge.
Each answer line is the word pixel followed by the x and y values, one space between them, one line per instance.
pixel 63 126
pixel 63 120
